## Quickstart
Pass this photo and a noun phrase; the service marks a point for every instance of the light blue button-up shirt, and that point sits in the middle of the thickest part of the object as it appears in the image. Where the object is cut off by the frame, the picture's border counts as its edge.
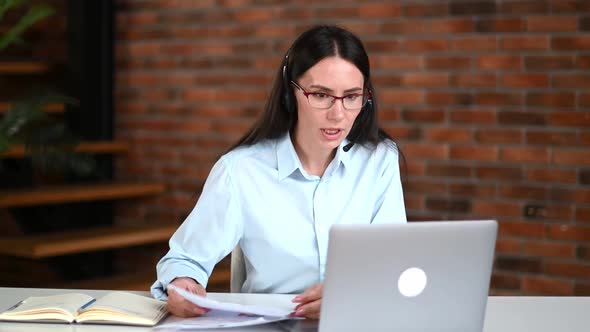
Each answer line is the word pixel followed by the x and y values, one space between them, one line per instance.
pixel 261 198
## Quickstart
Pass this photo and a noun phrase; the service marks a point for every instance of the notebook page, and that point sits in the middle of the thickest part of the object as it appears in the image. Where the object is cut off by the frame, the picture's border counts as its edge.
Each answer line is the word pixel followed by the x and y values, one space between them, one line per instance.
pixel 129 304
pixel 66 303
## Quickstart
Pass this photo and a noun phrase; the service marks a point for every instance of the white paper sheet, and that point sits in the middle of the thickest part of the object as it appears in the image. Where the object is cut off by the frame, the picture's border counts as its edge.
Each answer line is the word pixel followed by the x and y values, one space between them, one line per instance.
pixel 216 319
pixel 204 302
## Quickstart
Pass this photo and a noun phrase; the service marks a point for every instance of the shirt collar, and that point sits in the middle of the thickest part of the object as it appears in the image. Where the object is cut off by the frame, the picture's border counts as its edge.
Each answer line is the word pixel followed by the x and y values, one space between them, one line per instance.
pixel 288 160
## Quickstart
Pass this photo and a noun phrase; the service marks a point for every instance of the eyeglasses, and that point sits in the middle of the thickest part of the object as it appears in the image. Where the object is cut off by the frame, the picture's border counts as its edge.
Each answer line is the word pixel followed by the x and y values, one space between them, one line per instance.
pixel 322 100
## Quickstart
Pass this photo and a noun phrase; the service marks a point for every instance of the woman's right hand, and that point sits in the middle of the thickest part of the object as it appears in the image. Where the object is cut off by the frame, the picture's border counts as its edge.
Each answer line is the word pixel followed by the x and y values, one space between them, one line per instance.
pixel 181 307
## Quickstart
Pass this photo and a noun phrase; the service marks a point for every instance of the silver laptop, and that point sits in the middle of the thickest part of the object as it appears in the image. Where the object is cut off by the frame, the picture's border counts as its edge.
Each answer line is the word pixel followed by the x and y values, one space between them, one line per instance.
pixel 419 276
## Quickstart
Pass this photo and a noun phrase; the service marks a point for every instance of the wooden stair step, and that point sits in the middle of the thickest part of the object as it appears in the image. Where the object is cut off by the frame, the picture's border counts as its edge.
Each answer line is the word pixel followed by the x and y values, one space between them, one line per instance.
pixel 72 242
pixel 19 151
pixel 49 108
pixel 77 193
pixel 23 67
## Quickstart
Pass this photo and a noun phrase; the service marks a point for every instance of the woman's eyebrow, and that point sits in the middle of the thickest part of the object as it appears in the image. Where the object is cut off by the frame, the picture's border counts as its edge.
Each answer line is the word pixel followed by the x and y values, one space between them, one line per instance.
pixel 323 88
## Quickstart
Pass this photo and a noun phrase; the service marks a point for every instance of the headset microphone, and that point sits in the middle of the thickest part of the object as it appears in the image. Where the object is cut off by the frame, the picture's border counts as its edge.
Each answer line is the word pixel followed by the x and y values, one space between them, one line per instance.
pixel 347 146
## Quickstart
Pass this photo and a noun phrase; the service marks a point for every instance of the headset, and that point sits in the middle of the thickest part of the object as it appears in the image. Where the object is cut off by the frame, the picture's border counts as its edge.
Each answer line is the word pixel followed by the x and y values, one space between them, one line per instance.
pixel 288 101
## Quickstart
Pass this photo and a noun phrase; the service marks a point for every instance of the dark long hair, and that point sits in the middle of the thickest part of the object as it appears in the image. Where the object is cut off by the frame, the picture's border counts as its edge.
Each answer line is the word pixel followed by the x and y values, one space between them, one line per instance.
pixel 280 111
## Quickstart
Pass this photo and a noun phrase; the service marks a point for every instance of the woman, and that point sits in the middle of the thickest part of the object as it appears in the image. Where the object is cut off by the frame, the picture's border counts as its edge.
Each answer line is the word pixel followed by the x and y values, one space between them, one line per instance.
pixel 316 157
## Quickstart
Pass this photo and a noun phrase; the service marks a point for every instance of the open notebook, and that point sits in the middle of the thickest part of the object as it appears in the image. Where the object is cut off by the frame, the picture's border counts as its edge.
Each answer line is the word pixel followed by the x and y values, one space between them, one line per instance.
pixel 113 308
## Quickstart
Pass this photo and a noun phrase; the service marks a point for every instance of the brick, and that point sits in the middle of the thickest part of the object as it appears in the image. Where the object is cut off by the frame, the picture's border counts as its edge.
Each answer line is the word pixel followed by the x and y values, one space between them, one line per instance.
pixel 448 62
pixel 579 195
pixel 505 281
pixel 499 173
pixel 551 99
pixel 389 115
pixel 426 151
pixel 522 118
pixel 548 212
pixel 451 170
pixel 386 61
pixel 416 168
pixel 569 232
pixel 425 45
pixel 361 28
pixel 585 176
pixel 404 133
pixel 402 96
pixel 551 175
pixel 425 79
pixel 448 205
pixel 534 285
pixel 549 62
pixel 522 229
pixel 476 153
pixel 582 215
pixel 577 43
pixel 387 81
pixel 474 44
pixel 583 61
pixel 425 9
pixel 413 202
pixel 379 10
pixel 584 100
pixel 523 192
pixel 583 252
pixel 448 98
pixel 445 26
pixel 449 135
pixel 584 138
pixel 519 264
pixel 571 157
pixel 506 245
pixel 473 116
pixel 427 187
pixel 525 154
pixel 474 80
pixel 503 61
pixel 472 190
pixel 495 209
pixel 463 7
pixel 499 136
pixel 426 116
pixel 500 25
pixel 571 270
pixel 405 27
pixel 574 81
pixel 570 6
pixel 582 288
pixel 552 23
pixel 524 7
pixel 584 23
pixel 551 138
pixel 337 12
pixel 376 46
pixel 521 43
pixel 525 80
pixel 570 119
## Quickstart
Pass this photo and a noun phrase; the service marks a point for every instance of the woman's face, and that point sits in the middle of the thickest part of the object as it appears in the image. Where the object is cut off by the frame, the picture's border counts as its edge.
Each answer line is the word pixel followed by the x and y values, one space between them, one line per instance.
pixel 325 129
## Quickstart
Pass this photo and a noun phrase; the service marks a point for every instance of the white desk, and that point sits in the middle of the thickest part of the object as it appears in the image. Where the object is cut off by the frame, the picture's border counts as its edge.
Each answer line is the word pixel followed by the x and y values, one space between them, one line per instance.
pixel 503 314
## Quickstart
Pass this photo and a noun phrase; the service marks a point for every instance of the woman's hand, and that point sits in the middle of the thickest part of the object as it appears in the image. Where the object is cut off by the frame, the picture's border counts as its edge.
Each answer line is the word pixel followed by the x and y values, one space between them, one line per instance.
pixel 310 302
pixel 181 307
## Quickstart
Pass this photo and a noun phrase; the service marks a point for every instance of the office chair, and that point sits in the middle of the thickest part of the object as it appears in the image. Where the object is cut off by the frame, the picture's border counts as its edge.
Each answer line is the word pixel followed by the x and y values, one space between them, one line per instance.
pixel 237 270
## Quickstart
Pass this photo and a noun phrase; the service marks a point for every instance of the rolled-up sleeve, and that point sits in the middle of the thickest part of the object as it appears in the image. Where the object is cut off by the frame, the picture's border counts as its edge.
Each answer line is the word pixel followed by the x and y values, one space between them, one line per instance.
pixel 209 233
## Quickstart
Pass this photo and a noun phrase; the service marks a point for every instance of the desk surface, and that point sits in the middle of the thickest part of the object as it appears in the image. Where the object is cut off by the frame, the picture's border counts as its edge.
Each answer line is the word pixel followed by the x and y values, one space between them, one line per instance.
pixel 503 314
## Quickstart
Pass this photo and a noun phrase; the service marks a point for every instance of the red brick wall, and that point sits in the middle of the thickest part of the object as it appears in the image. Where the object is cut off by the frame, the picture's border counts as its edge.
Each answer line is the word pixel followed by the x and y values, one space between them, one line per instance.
pixel 488 99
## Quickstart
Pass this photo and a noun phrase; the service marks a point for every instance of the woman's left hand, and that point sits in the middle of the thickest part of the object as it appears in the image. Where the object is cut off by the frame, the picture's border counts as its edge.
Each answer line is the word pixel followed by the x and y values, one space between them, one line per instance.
pixel 310 302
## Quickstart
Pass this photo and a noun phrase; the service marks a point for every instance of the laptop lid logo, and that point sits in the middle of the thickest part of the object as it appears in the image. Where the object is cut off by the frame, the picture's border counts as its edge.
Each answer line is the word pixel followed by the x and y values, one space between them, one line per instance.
pixel 412 282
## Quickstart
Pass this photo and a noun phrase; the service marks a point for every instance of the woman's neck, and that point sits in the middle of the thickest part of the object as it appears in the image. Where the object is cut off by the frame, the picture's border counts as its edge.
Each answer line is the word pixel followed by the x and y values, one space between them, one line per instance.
pixel 314 161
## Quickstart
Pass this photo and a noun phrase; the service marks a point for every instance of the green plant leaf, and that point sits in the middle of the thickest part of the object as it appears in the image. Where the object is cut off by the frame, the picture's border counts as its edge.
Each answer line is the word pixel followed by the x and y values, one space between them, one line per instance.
pixel 35 14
